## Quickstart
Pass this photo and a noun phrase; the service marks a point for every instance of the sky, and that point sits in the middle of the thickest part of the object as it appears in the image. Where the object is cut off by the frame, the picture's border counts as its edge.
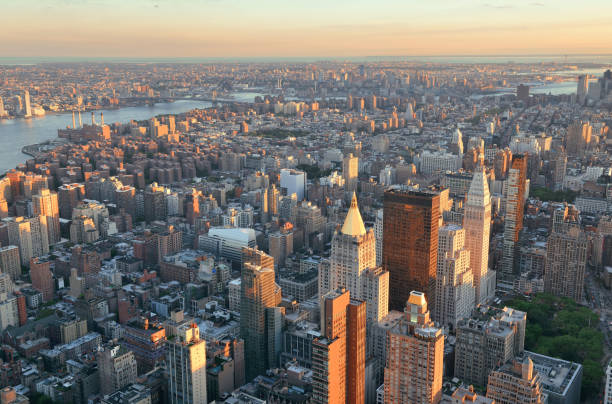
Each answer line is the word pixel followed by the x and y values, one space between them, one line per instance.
pixel 303 28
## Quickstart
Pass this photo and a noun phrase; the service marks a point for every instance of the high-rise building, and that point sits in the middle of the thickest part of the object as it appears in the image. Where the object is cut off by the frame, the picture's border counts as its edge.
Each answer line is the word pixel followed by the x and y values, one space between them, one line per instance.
pixel 281 245
pixel 522 92
pixel 350 172
pixel 353 266
pixel 378 233
pixel 566 258
pixel 294 182
pixel 516 382
pixel 514 209
pixel 338 357
pixel 69 196
pixel 155 203
pixel 117 367
pixel 259 292
pixel 477 225
pixel 125 197
pixel 42 278
pixel 454 278
pixel 410 243
pixel 484 341
pixel 578 138
pixel 30 235
pixel 9 311
pixel 582 89
pixel 27 107
pixel 187 366
pixel 415 355
pixel 10 262
pixel 46 204
pixel 608 386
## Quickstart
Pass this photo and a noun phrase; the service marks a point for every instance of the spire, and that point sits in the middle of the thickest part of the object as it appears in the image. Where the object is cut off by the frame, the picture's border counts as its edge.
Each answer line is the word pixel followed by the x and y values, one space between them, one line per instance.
pixel 353 223
pixel 478 194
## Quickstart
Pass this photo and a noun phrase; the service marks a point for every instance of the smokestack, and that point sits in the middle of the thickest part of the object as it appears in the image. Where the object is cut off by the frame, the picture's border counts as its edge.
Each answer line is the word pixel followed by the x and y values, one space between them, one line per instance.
pixel 73 121
pixel 102 118
pixel 80 121
pixel 93 119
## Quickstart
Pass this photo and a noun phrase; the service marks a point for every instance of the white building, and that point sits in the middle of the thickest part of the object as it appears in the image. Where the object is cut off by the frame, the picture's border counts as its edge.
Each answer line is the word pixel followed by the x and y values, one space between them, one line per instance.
pixel 233 288
pixel 227 242
pixel 454 278
pixel 294 181
pixel 438 162
pixel 187 366
pixel 477 225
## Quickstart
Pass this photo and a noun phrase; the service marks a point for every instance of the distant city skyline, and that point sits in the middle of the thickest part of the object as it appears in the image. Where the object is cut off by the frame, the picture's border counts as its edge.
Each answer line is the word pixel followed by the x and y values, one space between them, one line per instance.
pixel 241 28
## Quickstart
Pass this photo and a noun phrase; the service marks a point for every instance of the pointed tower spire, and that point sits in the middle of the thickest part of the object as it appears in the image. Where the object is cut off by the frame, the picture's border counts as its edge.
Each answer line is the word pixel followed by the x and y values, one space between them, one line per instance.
pixel 353 224
pixel 478 194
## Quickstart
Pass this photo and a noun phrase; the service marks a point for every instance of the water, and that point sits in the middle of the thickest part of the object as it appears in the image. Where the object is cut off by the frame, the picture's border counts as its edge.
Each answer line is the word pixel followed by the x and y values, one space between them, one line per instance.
pixel 16 133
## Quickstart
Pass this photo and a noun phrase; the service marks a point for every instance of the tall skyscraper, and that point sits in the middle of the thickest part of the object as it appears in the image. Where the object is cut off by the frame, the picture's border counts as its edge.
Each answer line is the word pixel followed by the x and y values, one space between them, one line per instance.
pixel 566 258
pixel 477 225
pixel 515 206
pixel 42 278
pixel 69 196
pixel 415 355
pixel 186 360
pixel 583 88
pixel 117 367
pixel 10 262
pixel 258 293
pixel 46 204
pixel 353 266
pixel 378 233
pixel 578 138
pixel 338 358
pixel 454 279
pixel 410 243
pixel 155 207
pixel 350 172
pixel 27 107
pixel 30 235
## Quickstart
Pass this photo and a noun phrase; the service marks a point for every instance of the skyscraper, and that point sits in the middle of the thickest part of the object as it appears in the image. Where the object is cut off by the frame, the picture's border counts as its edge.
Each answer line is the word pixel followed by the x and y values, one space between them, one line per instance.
pixel 258 293
pixel 582 89
pixel 515 206
pixel 353 266
pixel 10 262
pixel 410 243
pixel 578 138
pixel 117 366
pixel 566 258
pixel 454 279
pixel 378 233
pixel 350 172
pixel 477 225
pixel 155 203
pixel 69 196
pixel 415 355
pixel 46 204
pixel 187 366
pixel 338 357
pixel 27 108
pixel 30 235
pixel 42 278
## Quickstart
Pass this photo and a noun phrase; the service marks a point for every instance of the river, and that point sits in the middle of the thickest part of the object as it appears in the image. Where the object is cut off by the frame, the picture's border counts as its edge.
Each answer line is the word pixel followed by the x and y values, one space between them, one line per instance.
pixel 16 133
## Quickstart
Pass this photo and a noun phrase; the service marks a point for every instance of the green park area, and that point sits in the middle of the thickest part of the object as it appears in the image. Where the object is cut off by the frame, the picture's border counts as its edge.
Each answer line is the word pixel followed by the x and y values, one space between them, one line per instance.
pixel 561 328
pixel 548 195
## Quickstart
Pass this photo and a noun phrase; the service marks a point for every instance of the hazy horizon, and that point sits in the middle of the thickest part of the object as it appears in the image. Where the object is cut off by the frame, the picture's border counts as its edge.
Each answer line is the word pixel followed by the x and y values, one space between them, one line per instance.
pixel 314 29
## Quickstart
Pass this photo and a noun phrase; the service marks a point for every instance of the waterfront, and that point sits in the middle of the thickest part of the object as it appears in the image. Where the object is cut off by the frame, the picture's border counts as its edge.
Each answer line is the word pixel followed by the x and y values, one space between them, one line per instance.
pixel 17 133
